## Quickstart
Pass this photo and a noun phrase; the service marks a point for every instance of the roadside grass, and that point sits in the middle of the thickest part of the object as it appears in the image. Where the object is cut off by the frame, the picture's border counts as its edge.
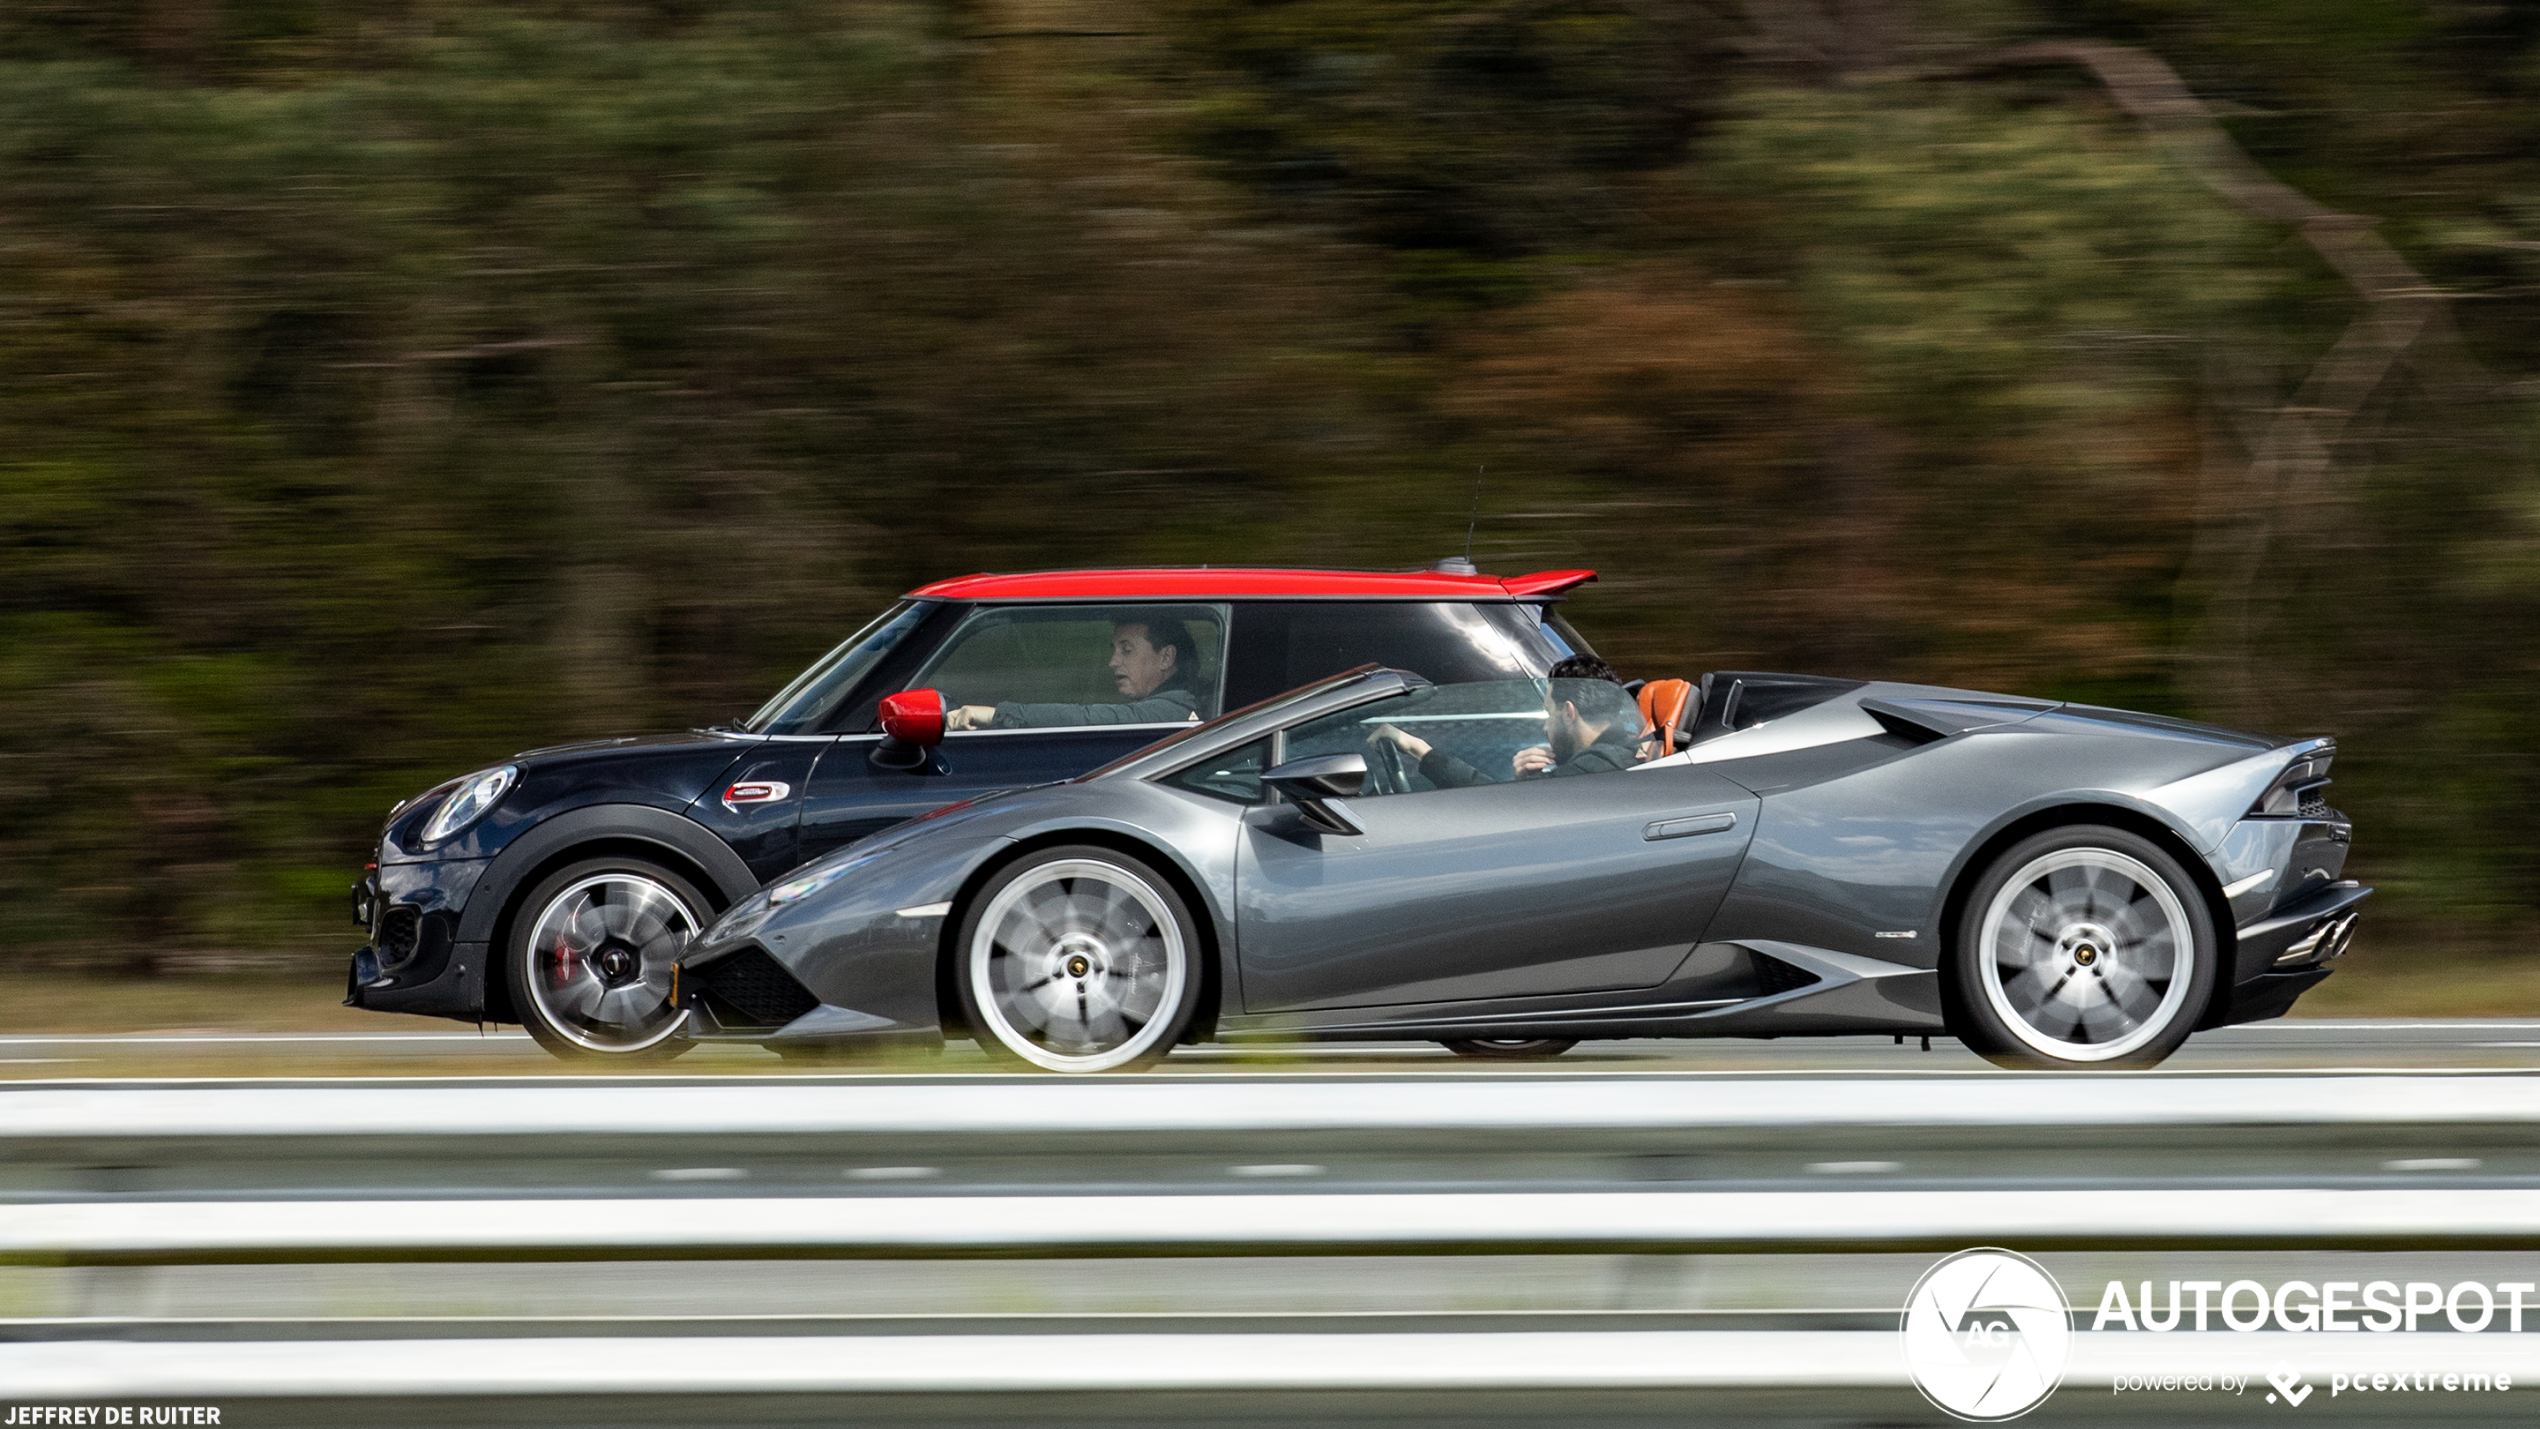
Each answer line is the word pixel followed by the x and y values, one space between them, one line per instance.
pixel 226 1002
pixel 2391 978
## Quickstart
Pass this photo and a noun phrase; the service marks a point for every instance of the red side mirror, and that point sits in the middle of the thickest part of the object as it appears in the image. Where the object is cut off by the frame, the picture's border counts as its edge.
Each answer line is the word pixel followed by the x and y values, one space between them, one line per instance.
pixel 914 717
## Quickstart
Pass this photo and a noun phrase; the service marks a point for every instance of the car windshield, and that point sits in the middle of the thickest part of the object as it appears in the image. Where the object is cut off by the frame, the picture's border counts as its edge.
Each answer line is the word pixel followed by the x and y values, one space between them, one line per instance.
pixel 801 707
pixel 1198 731
pixel 1480 732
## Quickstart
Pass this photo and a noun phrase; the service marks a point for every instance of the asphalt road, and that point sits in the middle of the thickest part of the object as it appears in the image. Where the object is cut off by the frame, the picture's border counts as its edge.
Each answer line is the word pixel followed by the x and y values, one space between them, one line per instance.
pixel 2290 1045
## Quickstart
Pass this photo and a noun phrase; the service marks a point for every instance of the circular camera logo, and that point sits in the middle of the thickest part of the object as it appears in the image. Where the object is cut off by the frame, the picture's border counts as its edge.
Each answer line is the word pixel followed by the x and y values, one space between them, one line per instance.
pixel 1986 1334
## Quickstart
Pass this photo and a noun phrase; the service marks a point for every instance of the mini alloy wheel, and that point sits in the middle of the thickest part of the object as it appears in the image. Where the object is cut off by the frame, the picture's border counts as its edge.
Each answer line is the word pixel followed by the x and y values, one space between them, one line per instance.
pixel 1078 960
pixel 2085 948
pixel 591 970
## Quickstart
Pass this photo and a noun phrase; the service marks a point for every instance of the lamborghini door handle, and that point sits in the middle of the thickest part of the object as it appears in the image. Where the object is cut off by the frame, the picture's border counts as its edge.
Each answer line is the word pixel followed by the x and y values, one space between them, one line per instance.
pixel 1686 828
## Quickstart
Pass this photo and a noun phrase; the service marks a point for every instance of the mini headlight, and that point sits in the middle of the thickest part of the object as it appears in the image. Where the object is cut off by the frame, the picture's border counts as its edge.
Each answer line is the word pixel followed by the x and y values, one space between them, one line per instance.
pixel 803 885
pixel 469 802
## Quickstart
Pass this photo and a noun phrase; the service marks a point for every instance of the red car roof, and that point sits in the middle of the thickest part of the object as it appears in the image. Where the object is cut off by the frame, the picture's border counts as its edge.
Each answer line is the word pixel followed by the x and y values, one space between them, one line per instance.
pixel 1224 582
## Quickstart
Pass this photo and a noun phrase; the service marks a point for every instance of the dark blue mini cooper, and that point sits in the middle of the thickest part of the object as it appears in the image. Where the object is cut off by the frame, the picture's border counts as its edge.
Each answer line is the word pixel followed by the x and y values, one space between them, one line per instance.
pixel 557 889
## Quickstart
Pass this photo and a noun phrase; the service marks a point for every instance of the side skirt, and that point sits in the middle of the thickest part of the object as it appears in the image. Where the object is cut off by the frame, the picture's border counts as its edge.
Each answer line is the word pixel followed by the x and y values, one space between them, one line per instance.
pixel 1848 994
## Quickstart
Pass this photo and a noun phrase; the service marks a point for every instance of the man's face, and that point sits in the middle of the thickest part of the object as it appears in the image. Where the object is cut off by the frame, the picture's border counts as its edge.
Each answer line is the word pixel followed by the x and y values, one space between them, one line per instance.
pixel 1563 729
pixel 1139 667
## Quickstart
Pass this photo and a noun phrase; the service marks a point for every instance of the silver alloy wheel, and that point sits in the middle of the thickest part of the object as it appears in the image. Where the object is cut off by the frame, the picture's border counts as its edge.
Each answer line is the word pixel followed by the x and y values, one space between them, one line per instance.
pixel 1076 966
pixel 2087 955
pixel 600 959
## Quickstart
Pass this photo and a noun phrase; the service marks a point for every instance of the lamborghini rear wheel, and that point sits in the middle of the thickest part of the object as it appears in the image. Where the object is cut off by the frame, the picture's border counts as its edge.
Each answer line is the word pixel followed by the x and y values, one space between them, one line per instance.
pixel 2083 948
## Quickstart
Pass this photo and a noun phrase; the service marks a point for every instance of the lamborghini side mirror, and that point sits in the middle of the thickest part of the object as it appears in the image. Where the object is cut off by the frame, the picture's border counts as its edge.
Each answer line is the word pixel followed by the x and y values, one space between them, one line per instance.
pixel 912 725
pixel 1311 784
pixel 1323 776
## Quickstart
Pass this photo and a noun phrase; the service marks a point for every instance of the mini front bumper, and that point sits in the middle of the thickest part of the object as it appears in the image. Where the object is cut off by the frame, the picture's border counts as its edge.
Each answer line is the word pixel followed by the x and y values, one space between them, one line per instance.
pixel 414 960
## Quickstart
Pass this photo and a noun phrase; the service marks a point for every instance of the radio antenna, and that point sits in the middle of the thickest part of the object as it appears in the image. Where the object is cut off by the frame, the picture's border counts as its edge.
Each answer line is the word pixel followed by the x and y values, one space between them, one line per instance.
pixel 1463 565
pixel 1473 518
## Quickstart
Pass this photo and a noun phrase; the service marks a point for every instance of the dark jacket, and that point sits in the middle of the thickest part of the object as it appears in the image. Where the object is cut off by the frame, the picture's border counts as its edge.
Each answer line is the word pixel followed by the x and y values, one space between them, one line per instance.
pixel 1162 707
pixel 1615 749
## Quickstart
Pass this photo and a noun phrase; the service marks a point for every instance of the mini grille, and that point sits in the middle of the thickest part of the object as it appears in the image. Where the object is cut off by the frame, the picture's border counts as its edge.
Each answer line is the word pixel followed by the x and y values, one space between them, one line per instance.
pixel 399 930
pixel 757 989
pixel 2314 806
pixel 1776 976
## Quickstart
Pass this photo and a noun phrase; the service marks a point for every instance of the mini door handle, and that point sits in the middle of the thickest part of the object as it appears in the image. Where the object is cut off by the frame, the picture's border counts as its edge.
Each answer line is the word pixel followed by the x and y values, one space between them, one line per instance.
pixel 1686 828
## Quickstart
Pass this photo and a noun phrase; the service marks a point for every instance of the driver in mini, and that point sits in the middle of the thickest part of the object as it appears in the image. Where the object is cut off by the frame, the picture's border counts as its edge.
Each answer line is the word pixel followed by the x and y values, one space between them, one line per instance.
pixel 1153 662
pixel 1590 724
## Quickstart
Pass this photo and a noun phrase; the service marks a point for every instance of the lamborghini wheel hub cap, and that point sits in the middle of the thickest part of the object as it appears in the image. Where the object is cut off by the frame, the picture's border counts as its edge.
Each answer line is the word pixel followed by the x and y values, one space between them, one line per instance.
pixel 1079 956
pixel 2086 943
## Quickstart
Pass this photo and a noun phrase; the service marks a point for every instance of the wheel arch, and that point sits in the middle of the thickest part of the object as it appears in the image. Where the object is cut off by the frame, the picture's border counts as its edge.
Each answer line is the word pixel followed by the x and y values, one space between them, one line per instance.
pixel 1154 855
pixel 1982 855
pixel 657 836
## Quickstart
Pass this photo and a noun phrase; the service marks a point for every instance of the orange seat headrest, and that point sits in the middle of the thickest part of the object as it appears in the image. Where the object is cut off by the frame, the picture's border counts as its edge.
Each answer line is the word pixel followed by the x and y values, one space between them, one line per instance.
pixel 1663 704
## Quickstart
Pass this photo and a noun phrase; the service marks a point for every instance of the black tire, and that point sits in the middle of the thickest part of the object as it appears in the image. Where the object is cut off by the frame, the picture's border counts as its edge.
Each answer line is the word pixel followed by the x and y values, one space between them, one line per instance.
pixel 1077 939
pixel 1510 1049
pixel 2069 948
pixel 588 958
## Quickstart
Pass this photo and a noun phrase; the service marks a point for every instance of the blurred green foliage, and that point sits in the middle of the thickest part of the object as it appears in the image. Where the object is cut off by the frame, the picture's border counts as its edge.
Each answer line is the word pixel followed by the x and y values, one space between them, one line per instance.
pixel 385 387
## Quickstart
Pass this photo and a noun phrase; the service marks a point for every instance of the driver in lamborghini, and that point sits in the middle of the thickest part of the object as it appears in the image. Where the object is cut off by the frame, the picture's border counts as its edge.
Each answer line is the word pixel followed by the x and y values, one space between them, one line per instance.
pixel 1590 724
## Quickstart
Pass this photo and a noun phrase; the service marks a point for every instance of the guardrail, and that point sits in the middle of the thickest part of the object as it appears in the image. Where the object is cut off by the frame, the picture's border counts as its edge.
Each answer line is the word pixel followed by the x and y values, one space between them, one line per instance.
pixel 530 1127
pixel 955 1108
pixel 165 1232
pixel 1459 1362
pixel 904 1364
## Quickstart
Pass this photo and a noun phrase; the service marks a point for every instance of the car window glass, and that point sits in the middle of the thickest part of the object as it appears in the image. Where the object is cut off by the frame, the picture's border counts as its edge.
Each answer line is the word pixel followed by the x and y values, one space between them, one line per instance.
pixel 1534 627
pixel 1040 667
pixel 1456 736
pixel 1280 645
pixel 802 706
pixel 1233 774
pixel 1442 643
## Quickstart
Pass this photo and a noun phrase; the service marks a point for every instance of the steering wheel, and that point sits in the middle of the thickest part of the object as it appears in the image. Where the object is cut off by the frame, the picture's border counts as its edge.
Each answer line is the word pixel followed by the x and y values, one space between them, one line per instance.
pixel 1392 775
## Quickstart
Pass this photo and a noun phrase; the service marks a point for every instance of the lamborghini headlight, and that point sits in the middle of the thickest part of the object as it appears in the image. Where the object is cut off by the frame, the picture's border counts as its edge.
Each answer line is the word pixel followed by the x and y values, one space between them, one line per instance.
pixel 476 796
pixel 805 884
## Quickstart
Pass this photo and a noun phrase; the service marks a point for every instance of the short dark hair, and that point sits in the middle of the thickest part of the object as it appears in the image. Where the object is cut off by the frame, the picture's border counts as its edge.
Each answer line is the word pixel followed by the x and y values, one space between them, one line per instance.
pixel 1585 667
pixel 1596 688
pixel 1166 632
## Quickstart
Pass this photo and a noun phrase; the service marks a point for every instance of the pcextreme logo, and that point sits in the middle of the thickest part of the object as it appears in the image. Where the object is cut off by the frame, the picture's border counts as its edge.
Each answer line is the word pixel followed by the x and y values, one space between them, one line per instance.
pixel 1986 1335
pixel 2288 1385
